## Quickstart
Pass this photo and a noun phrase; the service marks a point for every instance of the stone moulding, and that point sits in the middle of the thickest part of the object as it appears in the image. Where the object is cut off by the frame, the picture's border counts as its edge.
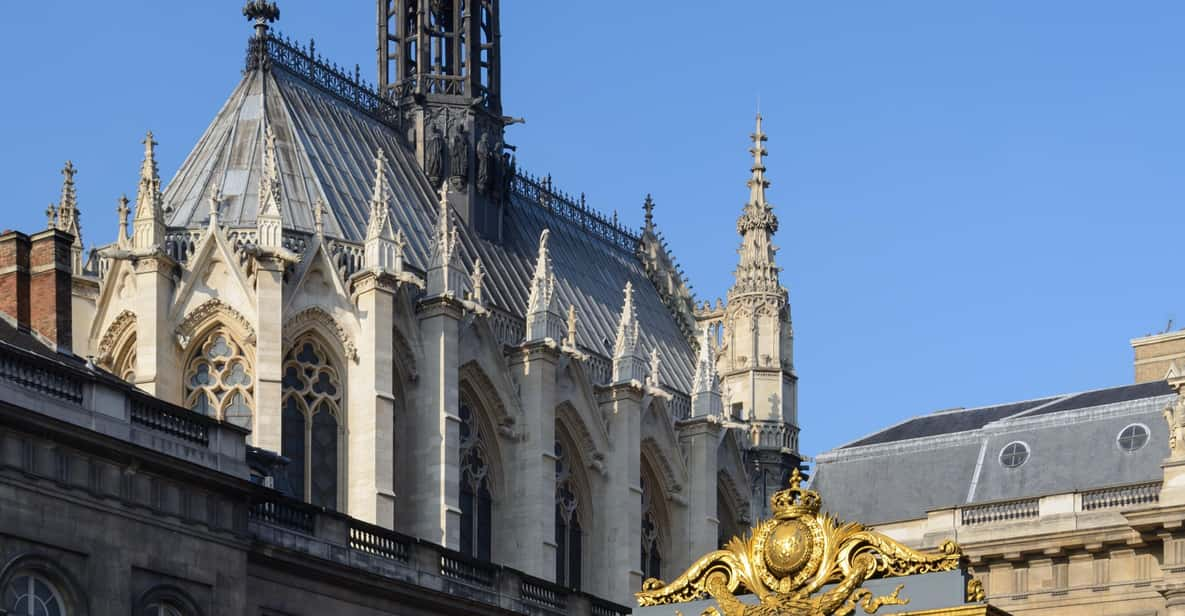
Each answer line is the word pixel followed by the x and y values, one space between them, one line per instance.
pixel 115 333
pixel 214 310
pixel 317 315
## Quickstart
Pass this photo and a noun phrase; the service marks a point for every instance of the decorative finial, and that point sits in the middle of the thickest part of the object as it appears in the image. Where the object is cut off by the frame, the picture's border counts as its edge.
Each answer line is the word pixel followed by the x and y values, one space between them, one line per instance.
pixel 215 204
pixel 655 367
pixel 648 208
pixel 50 217
pixel 262 13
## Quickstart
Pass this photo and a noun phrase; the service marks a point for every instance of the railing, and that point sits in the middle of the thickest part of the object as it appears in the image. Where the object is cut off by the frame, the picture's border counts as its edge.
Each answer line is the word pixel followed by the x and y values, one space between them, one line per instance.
pixel 1122 496
pixel 285 513
pixel 508 329
pixel 460 567
pixel 185 425
pixel 379 541
pixel 542 593
pixel 39 375
pixel 541 192
pixel 680 406
pixel 1006 511
pixel 333 79
pixel 600 369
pixel 348 257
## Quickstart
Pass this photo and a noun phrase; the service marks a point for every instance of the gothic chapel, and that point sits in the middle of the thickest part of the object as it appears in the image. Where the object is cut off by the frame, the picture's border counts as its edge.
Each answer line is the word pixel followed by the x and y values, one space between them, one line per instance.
pixel 434 340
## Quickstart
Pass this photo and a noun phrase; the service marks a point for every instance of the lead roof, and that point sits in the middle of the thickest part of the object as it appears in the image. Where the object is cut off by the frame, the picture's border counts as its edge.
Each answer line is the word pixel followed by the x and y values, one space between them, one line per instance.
pixel 326 150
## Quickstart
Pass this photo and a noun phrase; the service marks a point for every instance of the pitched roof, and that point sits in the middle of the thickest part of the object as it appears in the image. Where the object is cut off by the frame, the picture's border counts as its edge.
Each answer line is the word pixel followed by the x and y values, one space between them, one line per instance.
pixel 326 149
pixel 952 458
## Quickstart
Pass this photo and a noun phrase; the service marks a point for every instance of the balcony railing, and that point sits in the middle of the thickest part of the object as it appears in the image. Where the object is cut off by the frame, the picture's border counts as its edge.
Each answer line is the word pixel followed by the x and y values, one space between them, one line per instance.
pixel 1005 511
pixel 1122 496
pixel 40 375
pixel 185 425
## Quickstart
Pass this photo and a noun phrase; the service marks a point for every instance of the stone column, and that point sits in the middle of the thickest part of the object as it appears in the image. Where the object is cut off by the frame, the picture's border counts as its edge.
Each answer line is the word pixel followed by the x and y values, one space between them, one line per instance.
pixel 269 353
pixel 1174 597
pixel 621 511
pixel 699 437
pixel 435 438
pixel 530 506
pixel 157 368
pixel 371 489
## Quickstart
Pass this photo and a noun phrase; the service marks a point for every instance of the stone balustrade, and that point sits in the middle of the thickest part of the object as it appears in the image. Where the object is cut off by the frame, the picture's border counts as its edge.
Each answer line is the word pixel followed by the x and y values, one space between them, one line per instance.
pixel 285 523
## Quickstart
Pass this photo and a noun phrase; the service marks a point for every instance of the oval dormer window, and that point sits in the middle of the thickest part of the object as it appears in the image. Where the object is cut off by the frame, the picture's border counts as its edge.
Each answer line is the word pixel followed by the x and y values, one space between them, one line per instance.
pixel 1014 454
pixel 1132 438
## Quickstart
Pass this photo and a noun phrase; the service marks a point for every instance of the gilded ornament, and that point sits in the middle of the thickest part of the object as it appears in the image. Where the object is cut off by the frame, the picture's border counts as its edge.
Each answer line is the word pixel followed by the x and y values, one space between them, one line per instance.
pixel 786 560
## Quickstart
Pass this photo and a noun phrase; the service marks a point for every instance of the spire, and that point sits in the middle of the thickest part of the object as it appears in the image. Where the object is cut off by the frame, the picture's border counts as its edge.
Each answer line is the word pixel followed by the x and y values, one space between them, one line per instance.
pixel 269 223
pixel 381 251
pixel 444 269
pixel 122 211
pixel 757 272
pixel 648 208
pixel 543 318
pixel 69 218
pixel 149 224
pixel 705 388
pixel 628 364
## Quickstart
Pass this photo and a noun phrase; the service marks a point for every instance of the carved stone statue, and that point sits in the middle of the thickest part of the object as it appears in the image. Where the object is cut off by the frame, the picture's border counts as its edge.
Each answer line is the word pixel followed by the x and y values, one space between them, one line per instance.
pixel 1174 414
pixel 434 155
pixel 459 154
pixel 485 165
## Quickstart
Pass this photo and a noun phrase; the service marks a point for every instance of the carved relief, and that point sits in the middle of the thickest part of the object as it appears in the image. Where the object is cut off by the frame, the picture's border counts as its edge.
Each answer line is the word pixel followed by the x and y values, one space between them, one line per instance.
pixel 119 327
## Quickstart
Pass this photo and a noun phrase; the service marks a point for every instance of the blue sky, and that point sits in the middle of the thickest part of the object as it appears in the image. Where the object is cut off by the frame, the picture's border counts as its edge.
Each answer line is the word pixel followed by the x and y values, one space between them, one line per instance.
pixel 979 201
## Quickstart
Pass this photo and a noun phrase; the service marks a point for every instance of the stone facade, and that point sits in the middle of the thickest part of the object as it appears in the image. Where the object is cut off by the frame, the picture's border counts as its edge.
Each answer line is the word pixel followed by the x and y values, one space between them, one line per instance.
pixel 1070 504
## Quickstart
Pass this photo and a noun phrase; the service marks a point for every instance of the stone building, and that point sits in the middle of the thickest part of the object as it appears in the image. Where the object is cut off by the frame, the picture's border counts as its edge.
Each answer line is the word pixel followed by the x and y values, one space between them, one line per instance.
pixel 438 344
pixel 1069 504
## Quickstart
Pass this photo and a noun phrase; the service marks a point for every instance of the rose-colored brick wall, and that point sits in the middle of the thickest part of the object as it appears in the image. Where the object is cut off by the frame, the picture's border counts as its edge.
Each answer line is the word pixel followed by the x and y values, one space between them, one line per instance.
pixel 14 276
pixel 49 286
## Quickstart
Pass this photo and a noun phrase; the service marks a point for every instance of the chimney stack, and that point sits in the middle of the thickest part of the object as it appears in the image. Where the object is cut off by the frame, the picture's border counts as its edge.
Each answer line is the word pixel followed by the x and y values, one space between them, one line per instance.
pixel 35 283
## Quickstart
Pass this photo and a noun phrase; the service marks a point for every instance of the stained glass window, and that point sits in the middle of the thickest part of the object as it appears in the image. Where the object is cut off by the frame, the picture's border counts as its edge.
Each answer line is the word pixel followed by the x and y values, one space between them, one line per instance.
pixel 311 422
pixel 568 536
pixel 218 380
pixel 477 502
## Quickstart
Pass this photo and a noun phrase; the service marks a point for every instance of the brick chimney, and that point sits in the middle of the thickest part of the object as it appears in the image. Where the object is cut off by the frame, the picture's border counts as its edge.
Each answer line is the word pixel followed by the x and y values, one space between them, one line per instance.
pixel 35 279
pixel 1159 354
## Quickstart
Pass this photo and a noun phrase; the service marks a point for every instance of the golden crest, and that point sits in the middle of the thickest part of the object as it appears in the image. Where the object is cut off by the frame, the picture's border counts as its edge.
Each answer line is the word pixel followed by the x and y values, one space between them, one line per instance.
pixel 785 561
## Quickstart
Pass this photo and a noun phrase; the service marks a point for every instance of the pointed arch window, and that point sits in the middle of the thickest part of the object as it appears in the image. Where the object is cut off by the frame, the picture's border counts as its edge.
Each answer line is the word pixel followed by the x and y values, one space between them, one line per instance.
pixel 651 564
pixel 219 379
pixel 569 537
pixel 477 502
pixel 310 422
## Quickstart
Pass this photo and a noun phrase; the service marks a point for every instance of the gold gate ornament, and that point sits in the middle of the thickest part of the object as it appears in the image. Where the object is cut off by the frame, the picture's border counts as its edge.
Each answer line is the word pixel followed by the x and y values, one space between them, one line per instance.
pixel 785 561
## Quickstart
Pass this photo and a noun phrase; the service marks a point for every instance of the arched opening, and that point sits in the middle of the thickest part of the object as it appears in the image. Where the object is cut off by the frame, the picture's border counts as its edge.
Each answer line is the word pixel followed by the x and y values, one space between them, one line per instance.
pixel 166 601
pixel 728 520
pixel 311 422
pixel 33 586
pixel 476 494
pixel 220 377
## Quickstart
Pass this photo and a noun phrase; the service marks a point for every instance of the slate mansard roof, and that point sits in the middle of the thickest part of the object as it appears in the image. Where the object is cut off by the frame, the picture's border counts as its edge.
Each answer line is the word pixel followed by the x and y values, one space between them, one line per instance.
pixel 952 458
pixel 326 149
